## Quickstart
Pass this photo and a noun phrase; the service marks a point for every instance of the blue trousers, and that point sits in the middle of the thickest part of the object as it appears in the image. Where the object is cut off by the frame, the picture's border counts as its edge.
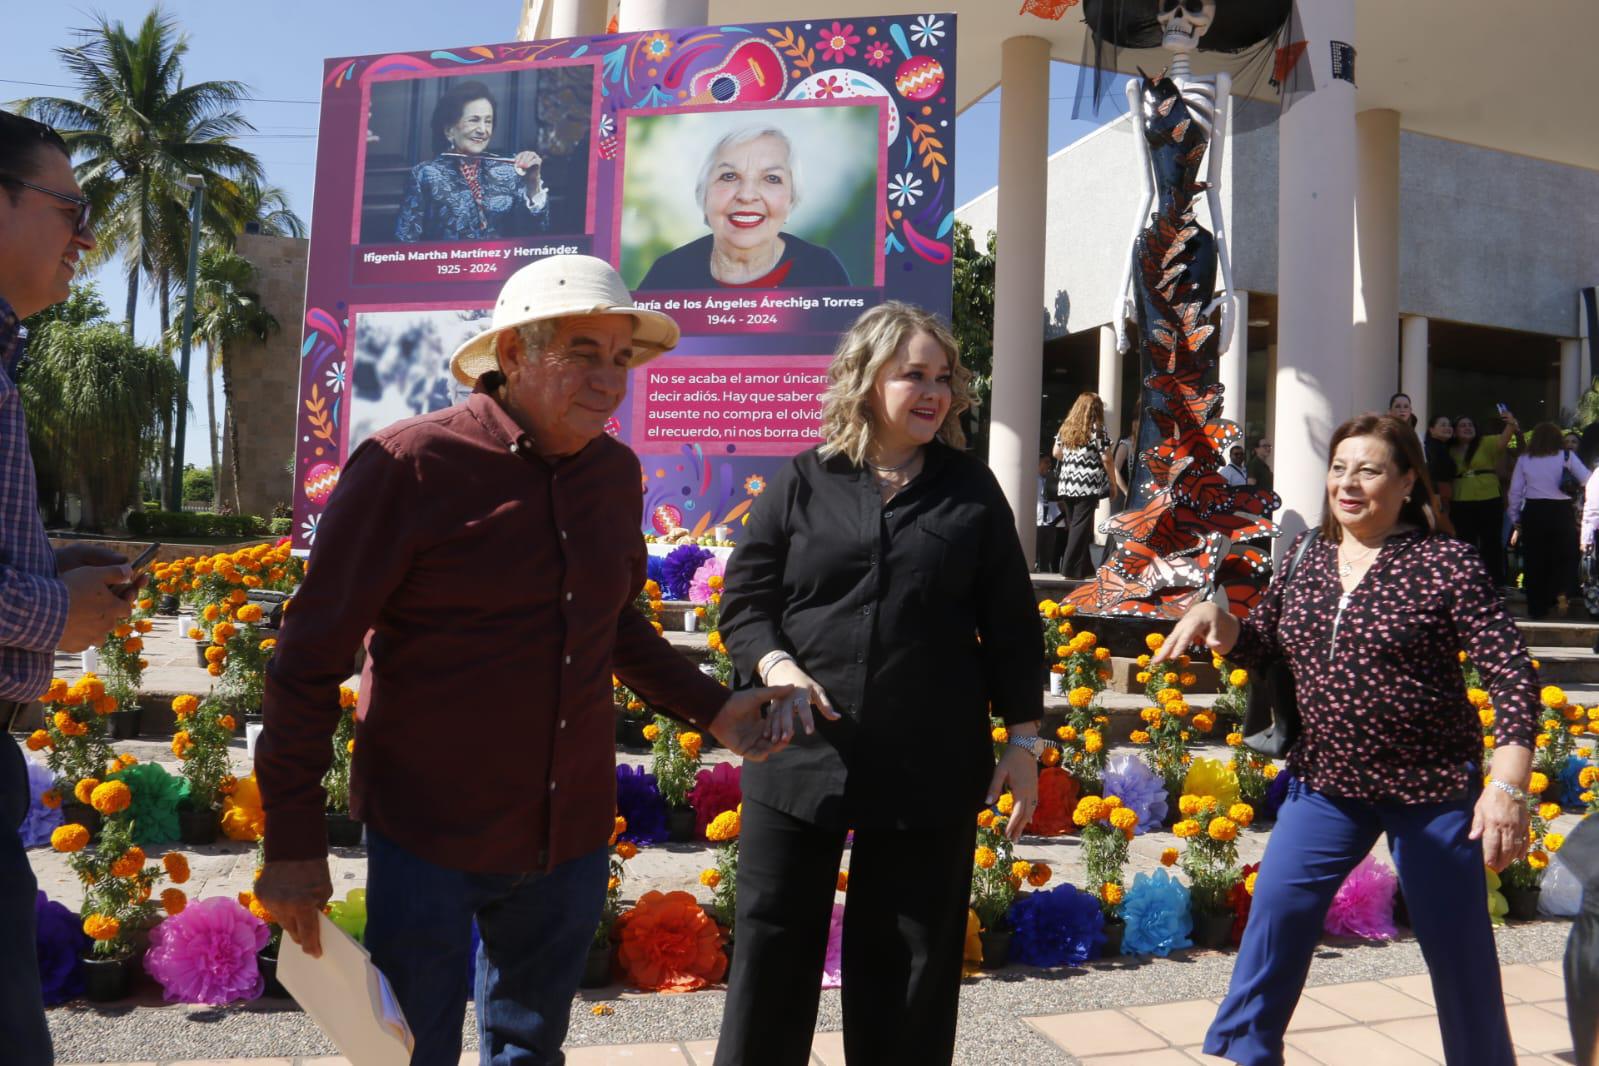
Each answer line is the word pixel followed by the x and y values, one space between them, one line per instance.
pixel 23 1032
pixel 535 932
pixel 1317 841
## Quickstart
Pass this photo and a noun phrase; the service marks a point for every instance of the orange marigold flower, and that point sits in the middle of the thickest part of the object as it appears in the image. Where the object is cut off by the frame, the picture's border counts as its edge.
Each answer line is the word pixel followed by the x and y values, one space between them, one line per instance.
pixel 1168 857
pixel 723 827
pixel 1111 893
pixel 215 653
pixel 38 740
pixel 842 884
pixel 250 613
pixel 69 838
pixel 226 722
pixel 626 850
pixel 111 797
pixel 710 878
pixel 51 798
pixel 1021 868
pixel 84 789
pixel 1039 875
pixel 173 900
pixel 985 858
pixel 133 645
pixel 211 613
pixel 183 706
pixel 101 927
pixel 56 692
pixel 177 866
pixel 237 597
pixel 121 630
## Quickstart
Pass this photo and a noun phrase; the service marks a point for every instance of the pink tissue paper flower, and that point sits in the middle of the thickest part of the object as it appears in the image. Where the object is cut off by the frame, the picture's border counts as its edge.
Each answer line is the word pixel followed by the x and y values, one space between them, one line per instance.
pixel 833 965
pixel 206 953
pixel 1364 905
pixel 699 587
pixel 715 790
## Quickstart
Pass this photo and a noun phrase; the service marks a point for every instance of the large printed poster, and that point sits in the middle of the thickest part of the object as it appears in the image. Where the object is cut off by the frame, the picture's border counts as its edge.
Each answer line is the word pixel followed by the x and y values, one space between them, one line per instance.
pixel 763 184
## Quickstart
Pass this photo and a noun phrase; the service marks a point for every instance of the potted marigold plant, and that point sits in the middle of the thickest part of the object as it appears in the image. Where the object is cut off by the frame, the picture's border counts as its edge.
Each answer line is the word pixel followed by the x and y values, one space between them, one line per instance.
pixel 1254 771
pixel 632 715
pixel 344 831
pixel 118 883
pixel 597 966
pixel 1057 631
pixel 201 744
pixel 1107 829
pixel 1522 880
pixel 676 764
pixel 1563 722
pixel 722 879
pixel 994 887
pixel 122 666
pixel 1234 698
pixel 1211 862
pixel 74 742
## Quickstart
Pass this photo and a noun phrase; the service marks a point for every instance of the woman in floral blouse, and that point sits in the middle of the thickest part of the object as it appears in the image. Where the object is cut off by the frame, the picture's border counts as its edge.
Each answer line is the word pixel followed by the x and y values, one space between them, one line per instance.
pixel 1373 623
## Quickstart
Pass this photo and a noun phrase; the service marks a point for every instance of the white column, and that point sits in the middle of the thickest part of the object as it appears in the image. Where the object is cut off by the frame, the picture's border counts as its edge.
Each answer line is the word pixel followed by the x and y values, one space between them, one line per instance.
pixel 637 15
pixel 1110 390
pixel 1315 262
pixel 1570 373
pixel 1019 276
pixel 1271 392
pixel 1376 289
pixel 577 18
pixel 1232 370
pixel 1415 375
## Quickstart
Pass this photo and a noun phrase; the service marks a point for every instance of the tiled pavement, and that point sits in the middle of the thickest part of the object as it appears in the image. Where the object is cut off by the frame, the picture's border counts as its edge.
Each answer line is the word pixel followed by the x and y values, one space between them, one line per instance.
pixel 1365 1023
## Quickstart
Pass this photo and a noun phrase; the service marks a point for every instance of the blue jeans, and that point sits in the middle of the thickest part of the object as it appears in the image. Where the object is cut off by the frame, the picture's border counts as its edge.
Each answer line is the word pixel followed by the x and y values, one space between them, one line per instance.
pixel 23 1032
pixel 535 927
pixel 1317 841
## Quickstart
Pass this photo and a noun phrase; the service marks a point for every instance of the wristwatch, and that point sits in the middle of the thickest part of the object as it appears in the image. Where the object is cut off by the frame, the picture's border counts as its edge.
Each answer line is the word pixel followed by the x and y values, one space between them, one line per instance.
pixel 1033 746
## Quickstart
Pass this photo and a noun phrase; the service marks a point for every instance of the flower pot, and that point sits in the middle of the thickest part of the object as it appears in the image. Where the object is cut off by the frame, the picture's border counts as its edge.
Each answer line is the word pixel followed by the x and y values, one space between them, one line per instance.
pixel 125 724
pixel 272 988
pixel 105 980
pixel 1212 929
pixel 1523 903
pixel 596 967
pixel 996 948
pixel 167 604
pixel 199 652
pixel 343 831
pixel 83 814
pixel 197 827
pixel 1401 909
pixel 1555 793
pixel 630 731
pixel 680 824
pixel 1112 947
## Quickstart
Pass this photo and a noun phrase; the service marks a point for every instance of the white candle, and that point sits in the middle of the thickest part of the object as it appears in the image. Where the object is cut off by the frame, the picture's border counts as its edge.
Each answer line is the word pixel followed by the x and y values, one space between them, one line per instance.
pixel 1057 683
pixel 91 660
pixel 691 621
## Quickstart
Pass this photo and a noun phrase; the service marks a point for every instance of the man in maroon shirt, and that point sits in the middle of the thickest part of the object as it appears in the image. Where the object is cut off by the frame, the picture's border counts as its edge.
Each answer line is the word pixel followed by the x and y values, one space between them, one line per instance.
pixel 489 555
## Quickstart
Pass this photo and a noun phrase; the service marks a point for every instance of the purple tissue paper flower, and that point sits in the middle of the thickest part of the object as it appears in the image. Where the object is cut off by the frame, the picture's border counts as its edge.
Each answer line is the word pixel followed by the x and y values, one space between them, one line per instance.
pixel 206 953
pixel 40 820
pixel 1141 790
pixel 677 571
pixel 833 964
pixel 1156 913
pixel 61 946
pixel 638 800
pixel 1277 792
pixel 1060 927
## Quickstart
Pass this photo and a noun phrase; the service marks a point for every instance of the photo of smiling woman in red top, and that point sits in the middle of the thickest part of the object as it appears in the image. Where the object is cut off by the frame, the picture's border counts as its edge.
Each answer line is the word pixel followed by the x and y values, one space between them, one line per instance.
pixel 748 187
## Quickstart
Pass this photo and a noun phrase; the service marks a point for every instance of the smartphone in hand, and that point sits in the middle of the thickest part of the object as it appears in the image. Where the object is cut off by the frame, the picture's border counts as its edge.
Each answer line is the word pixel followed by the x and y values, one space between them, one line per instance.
pixel 138 566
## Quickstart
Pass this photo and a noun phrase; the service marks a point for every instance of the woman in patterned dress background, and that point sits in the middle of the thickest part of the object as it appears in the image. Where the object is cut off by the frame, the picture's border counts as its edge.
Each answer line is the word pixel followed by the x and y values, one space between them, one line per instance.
pixel 1085 476
pixel 1372 624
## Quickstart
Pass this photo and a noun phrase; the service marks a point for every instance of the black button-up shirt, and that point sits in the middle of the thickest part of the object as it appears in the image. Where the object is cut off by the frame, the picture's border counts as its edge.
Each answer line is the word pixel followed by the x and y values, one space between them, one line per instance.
pixel 916 616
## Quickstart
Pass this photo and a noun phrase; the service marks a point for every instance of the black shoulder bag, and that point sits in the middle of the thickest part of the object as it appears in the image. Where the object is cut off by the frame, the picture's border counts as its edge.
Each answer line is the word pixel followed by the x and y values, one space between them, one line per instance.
pixel 1271 716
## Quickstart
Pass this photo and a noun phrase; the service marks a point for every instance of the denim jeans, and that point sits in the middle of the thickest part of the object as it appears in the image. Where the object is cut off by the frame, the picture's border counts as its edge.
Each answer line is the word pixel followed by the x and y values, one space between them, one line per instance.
pixel 535 932
pixel 23 1032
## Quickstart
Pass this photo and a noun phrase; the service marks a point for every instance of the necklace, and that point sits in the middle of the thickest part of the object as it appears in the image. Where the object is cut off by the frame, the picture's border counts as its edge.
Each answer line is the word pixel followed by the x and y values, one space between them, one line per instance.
pixel 1347 566
pixel 895 469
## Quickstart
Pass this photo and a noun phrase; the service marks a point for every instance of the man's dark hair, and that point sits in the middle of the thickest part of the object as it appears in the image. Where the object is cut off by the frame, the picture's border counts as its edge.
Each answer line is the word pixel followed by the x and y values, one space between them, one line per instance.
pixel 21 140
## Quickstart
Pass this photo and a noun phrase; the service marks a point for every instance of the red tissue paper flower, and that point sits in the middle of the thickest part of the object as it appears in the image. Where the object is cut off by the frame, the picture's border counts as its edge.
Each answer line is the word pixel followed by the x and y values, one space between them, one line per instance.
pixel 1057 796
pixel 715 790
pixel 669 945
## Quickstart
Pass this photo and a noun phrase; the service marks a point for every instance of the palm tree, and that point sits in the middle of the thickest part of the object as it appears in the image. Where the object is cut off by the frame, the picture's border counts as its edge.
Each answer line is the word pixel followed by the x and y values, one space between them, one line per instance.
pixel 227 309
pixel 137 131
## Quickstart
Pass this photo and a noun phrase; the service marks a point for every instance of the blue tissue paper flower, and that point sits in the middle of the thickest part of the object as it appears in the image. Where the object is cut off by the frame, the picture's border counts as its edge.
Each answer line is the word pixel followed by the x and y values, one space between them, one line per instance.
pixel 61 945
pixel 1061 927
pixel 638 800
pixel 1141 790
pixel 40 820
pixel 677 571
pixel 1156 913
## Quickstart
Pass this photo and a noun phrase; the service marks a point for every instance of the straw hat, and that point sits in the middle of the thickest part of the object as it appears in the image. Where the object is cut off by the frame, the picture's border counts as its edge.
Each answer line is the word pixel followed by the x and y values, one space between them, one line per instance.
pixel 557 287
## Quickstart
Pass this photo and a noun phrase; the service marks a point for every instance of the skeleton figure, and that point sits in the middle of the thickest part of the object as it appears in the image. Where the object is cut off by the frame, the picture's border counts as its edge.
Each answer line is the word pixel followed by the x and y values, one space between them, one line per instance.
pixel 1182 23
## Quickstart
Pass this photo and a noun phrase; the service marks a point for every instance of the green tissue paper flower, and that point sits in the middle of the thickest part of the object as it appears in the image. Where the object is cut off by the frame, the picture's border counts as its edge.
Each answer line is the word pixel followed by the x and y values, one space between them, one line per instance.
pixel 154 810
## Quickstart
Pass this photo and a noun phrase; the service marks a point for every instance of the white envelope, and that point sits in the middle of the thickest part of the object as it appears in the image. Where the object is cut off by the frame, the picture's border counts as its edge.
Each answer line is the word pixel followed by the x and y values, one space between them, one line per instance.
pixel 348 997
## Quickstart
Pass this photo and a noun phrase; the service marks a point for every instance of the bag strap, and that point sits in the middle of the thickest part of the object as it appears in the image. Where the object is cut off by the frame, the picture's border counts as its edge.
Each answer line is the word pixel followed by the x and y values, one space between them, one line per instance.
pixel 1299 553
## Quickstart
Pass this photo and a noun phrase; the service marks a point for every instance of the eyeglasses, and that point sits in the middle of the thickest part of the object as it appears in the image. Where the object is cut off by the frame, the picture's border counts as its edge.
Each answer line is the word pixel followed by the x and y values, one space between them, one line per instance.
pixel 80 224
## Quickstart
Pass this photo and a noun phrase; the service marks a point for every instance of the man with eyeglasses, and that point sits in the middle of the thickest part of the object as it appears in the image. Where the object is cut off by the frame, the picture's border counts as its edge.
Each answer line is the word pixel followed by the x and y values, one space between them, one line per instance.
pixel 48 599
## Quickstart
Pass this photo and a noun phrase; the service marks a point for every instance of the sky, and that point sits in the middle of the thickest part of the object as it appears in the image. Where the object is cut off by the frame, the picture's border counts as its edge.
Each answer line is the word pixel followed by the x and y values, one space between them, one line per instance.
pixel 278 54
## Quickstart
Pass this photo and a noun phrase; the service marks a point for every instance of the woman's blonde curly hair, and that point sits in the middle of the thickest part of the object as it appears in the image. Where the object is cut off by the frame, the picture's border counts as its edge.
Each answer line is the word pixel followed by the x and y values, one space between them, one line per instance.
pixel 862 352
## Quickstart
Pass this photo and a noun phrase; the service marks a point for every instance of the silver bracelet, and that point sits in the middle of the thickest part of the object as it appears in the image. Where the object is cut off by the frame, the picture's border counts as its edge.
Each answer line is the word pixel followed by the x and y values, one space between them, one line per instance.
pixel 769 660
pixel 1510 790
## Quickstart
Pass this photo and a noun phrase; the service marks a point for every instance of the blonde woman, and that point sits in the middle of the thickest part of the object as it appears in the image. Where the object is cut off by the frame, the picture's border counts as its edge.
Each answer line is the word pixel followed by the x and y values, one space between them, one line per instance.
pixel 881 575
pixel 1085 476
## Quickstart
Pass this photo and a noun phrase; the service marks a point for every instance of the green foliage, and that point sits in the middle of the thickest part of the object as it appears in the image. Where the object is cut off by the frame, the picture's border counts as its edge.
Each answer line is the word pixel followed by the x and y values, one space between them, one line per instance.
pixel 198 484
pixel 973 322
pixel 122 897
pixel 94 401
pixel 674 767
pixel 280 527
pixel 336 782
pixel 169 524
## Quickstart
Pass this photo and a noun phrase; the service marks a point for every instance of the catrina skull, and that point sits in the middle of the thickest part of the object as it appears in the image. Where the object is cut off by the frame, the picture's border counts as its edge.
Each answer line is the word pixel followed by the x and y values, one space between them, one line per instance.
pixel 1184 22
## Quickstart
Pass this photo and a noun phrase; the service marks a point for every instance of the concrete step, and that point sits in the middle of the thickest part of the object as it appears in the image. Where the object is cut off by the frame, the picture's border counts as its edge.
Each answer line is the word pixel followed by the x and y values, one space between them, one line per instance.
pixel 1560 634
pixel 1567 666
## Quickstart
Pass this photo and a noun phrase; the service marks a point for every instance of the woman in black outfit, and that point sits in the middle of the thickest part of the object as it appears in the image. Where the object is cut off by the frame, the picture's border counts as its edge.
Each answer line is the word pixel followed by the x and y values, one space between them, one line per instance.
pixel 881 575
pixel 1441 468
